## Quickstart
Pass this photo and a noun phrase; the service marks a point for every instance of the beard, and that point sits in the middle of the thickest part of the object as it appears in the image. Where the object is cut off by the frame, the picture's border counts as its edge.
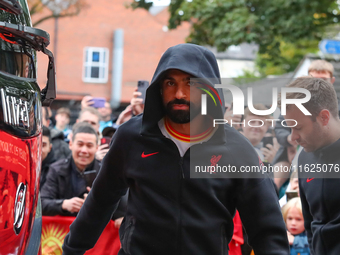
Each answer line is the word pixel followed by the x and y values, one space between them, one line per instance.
pixel 181 116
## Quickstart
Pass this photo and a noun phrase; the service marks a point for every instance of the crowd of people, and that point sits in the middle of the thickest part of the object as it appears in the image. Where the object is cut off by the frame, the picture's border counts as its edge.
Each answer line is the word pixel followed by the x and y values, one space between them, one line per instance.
pixel 284 151
pixel 71 156
pixel 193 213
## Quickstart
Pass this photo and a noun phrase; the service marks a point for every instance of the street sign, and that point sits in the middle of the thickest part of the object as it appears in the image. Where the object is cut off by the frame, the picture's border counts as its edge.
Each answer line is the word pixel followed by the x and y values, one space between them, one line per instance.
pixel 330 46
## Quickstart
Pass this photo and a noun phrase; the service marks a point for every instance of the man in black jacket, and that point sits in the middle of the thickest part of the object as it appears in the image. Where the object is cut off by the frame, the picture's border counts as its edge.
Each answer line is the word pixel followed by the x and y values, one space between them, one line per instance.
pixel 319 163
pixel 170 212
pixel 318 69
pixel 47 154
pixel 66 182
pixel 61 147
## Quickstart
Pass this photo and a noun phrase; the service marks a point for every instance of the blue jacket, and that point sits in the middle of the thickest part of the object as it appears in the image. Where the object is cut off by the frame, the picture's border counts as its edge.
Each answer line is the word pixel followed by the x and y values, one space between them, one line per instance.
pixel 300 245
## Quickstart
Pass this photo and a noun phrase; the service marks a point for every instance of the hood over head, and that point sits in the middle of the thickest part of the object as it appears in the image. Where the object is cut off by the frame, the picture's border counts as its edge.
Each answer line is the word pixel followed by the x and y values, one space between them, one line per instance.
pixel 190 58
pixel 56 134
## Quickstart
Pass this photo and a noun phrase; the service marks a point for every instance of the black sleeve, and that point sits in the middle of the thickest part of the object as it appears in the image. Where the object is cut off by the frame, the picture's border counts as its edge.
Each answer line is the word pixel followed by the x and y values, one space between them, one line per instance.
pixel 308 218
pixel 50 199
pixel 258 206
pixel 261 216
pixel 122 206
pixel 107 189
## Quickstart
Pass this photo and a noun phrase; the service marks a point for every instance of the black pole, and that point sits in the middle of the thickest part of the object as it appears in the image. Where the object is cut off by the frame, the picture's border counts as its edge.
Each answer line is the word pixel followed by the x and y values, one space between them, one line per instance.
pixel 55 39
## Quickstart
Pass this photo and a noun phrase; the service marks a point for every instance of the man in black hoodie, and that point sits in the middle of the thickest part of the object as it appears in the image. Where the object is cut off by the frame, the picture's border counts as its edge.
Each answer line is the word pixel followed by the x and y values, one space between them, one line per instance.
pixel 319 163
pixel 168 211
pixel 61 148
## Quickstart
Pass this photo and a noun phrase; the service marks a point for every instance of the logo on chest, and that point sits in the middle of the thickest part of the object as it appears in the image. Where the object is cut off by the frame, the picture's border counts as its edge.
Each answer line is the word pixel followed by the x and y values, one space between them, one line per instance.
pixel 214 159
pixel 148 155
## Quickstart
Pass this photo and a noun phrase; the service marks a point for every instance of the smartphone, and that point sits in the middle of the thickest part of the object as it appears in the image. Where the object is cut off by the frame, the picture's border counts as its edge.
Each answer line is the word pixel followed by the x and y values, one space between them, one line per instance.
pixel 98 102
pixel 237 126
pixel 89 177
pixel 142 87
pixel 267 140
pixel 291 194
pixel 105 140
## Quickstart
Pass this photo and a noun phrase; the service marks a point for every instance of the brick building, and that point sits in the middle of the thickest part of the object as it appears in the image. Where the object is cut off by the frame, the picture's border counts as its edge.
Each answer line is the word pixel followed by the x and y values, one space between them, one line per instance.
pixel 85 50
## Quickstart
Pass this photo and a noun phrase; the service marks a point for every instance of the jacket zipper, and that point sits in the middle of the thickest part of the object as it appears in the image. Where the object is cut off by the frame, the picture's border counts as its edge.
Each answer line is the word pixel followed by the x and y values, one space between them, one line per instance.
pixel 181 165
pixel 224 243
pixel 182 177
pixel 127 235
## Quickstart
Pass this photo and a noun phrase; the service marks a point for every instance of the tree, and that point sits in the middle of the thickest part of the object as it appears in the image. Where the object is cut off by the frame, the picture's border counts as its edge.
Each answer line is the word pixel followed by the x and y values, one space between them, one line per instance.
pixel 288 59
pixel 222 23
pixel 140 4
pixel 57 8
pixel 274 25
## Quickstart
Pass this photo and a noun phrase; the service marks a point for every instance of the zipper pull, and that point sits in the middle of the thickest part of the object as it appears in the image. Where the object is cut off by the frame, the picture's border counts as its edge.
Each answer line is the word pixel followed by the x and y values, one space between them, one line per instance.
pixel 181 164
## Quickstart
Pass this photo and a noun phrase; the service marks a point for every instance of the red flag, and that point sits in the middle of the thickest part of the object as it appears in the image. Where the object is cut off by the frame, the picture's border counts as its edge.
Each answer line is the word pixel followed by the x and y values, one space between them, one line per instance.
pixel 54 230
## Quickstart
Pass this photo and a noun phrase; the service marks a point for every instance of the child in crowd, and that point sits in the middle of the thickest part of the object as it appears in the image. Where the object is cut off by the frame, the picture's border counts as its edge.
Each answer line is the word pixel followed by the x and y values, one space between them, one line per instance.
pixel 292 215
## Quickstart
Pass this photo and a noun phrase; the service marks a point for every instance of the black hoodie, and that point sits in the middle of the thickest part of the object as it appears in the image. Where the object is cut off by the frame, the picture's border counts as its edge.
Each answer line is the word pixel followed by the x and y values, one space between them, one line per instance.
pixel 168 212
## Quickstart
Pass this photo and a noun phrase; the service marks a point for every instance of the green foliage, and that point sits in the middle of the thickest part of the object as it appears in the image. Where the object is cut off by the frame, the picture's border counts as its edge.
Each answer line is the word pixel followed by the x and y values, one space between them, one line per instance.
pixel 288 59
pixel 140 4
pixel 222 23
pixel 247 77
pixel 285 30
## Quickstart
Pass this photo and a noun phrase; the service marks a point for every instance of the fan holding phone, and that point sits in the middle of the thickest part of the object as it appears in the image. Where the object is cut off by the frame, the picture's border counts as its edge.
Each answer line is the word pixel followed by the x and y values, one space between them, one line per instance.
pixel 136 105
pixel 255 130
pixel 138 98
pixel 69 180
pixel 96 102
pixel 270 148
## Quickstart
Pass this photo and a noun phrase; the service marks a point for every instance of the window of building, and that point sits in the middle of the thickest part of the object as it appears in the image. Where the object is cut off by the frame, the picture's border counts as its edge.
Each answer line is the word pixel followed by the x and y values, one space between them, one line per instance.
pixel 96 65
